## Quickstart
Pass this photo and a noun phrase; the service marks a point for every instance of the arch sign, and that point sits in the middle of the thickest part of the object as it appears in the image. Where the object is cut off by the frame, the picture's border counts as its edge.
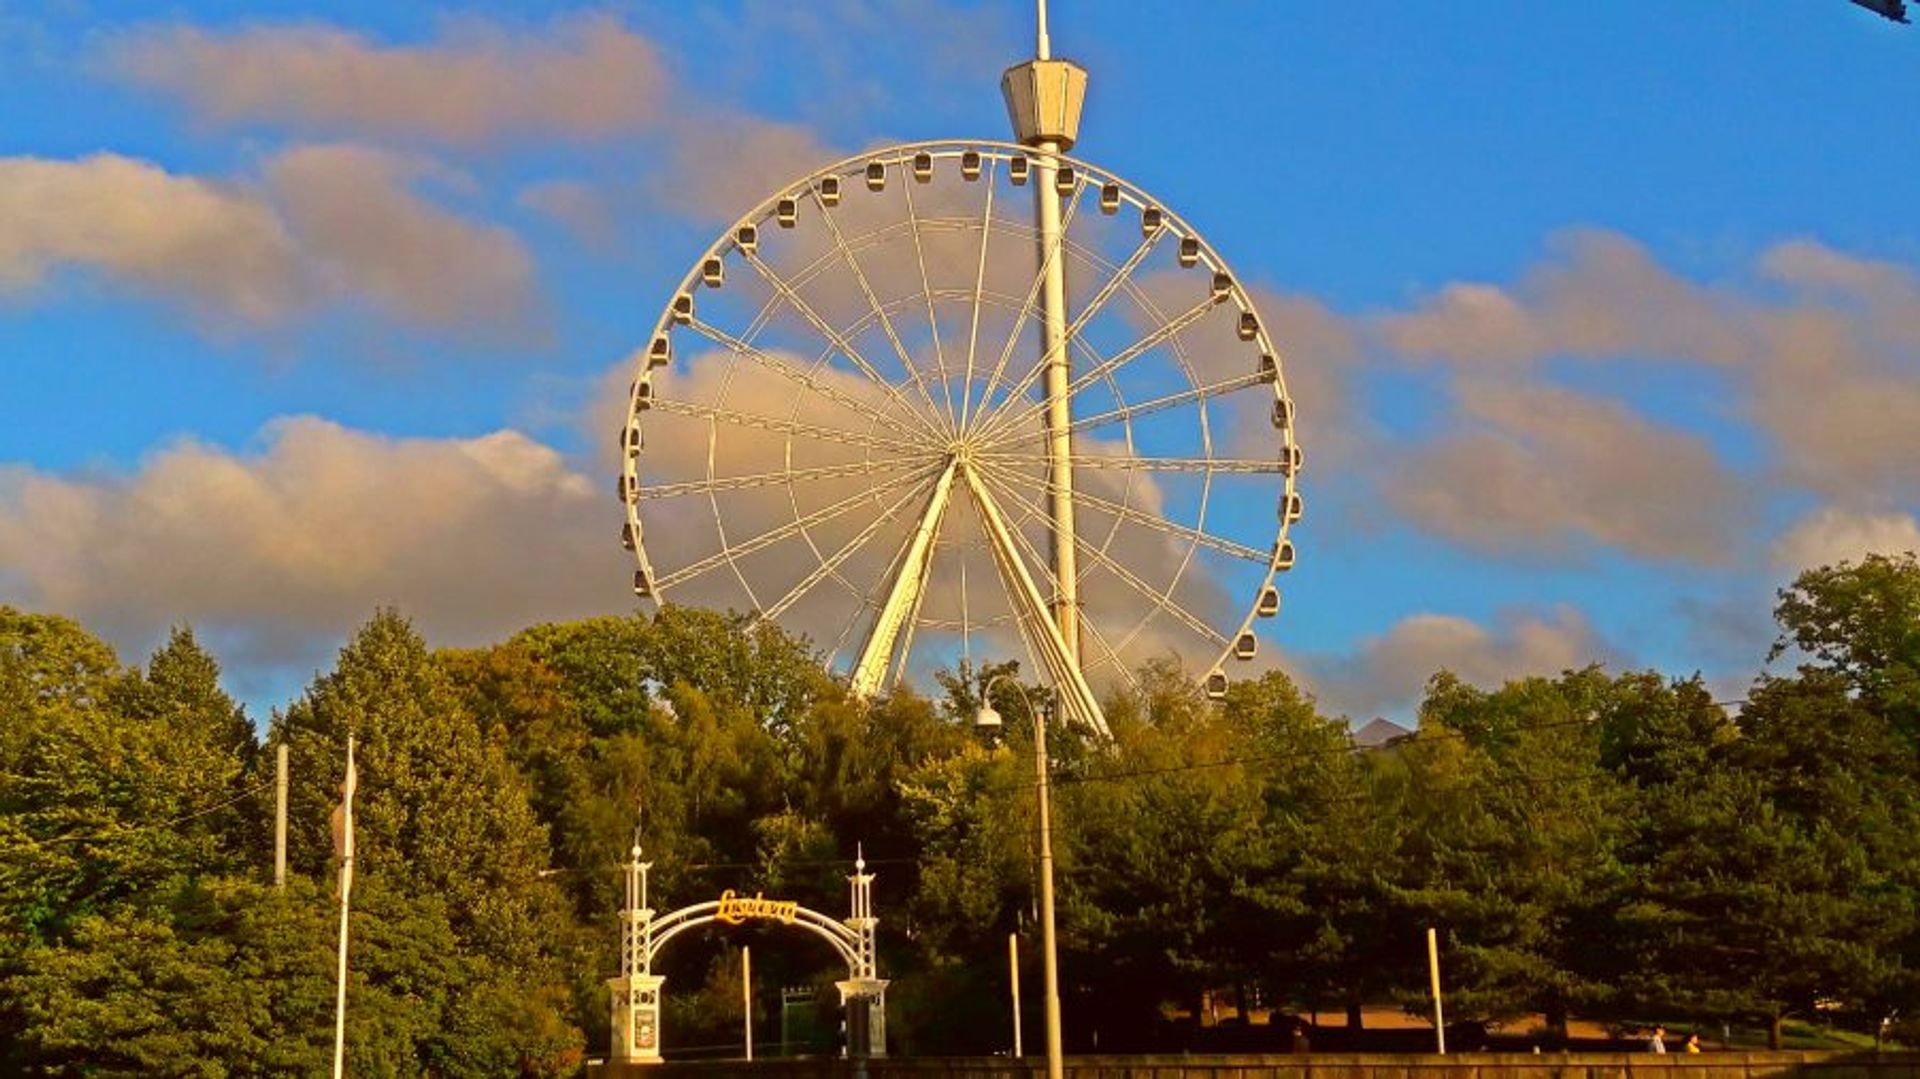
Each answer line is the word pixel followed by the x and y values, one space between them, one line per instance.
pixel 636 992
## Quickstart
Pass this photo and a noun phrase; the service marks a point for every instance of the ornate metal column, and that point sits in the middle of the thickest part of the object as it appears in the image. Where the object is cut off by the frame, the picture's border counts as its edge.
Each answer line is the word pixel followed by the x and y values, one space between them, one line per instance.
pixel 863 997
pixel 636 992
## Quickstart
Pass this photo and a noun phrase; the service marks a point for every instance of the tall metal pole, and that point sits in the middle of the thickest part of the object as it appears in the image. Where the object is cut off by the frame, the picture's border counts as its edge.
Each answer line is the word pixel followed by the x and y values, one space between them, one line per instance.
pixel 1059 416
pixel 746 993
pixel 280 816
pixel 1043 101
pixel 1013 979
pixel 1433 973
pixel 1055 1065
pixel 346 900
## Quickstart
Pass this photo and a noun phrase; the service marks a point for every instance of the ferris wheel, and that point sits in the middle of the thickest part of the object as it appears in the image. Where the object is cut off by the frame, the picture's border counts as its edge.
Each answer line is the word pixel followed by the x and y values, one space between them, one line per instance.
pixel 946 401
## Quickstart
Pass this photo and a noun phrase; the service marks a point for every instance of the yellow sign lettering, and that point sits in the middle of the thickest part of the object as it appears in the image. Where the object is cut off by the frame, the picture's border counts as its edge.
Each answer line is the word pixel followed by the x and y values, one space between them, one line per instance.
pixel 736 909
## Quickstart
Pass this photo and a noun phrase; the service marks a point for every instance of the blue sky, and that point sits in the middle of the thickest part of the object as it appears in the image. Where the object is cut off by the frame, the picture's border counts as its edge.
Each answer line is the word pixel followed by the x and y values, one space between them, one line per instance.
pixel 1604 318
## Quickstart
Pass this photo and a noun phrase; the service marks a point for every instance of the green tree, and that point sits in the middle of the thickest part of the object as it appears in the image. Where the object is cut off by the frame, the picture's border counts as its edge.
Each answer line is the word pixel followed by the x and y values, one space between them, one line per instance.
pixel 117 786
pixel 1517 834
pixel 1316 903
pixel 1861 621
pixel 442 823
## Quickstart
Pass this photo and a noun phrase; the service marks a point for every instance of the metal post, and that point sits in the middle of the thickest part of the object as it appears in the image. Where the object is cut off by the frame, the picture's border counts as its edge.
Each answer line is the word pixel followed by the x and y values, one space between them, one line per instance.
pixel 1433 972
pixel 1055 1065
pixel 1059 416
pixel 280 816
pixel 1013 975
pixel 346 893
pixel 746 993
pixel 1043 101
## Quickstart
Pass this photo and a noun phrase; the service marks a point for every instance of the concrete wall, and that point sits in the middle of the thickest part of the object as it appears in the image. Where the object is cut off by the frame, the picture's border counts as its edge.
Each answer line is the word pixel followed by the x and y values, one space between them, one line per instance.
pixel 1321 1066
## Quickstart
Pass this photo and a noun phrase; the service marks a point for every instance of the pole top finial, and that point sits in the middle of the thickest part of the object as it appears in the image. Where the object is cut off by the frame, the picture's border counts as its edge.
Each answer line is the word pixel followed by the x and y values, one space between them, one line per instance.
pixel 1043 47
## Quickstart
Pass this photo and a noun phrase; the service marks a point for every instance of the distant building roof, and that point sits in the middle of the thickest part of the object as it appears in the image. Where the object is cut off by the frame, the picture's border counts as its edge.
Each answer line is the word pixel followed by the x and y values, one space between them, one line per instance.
pixel 1379 732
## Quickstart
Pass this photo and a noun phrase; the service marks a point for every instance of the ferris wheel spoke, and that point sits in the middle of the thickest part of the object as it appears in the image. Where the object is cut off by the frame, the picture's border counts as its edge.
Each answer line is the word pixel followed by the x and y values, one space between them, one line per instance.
pixel 979 290
pixel 873 301
pixel 869 600
pixel 1161 599
pixel 1092 628
pixel 1088 625
pixel 834 338
pixel 1148 520
pixel 909 585
pixel 1153 464
pixel 789 371
pixel 777 425
pixel 726 554
pixel 829 565
pixel 718 484
pixel 1110 288
pixel 1032 611
pixel 1127 413
pixel 1057 250
pixel 926 289
pixel 1003 415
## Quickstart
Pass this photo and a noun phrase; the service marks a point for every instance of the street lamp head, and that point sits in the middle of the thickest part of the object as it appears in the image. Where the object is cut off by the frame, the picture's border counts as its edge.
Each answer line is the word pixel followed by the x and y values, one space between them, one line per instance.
pixel 986 719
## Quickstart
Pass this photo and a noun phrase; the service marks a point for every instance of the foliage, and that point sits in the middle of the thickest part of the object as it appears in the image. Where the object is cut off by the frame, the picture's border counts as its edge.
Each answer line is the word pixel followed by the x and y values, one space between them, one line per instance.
pixel 1615 845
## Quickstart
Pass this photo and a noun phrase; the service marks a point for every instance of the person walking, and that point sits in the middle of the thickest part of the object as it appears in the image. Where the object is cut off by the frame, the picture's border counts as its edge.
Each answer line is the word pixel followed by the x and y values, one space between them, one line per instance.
pixel 1693 1042
pixel 1657 1043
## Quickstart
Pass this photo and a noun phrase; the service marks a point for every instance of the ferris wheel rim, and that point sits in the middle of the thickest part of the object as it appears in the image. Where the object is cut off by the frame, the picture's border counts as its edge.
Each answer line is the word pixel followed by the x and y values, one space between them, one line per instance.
pixel 897 156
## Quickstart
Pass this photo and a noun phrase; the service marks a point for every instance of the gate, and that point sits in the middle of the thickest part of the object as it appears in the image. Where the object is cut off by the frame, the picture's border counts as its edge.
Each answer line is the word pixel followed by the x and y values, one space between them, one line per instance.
pixel 637 991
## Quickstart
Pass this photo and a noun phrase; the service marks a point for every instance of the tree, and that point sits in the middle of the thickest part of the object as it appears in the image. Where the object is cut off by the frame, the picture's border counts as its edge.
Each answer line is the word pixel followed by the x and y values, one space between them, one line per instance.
pixel 1518 831
pixel 118 785
pixel 229 979
pixel 1320 911
pixel 1861 620
pixel 442 821
pixel 1156 835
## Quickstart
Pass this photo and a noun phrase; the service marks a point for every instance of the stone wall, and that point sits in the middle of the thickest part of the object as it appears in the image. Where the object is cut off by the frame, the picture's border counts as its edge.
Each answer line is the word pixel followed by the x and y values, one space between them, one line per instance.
pixel 1319 1066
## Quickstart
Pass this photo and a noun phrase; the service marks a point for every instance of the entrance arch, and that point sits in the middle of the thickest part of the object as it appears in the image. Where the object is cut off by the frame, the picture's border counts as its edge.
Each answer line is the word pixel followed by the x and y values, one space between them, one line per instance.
pixel 636 993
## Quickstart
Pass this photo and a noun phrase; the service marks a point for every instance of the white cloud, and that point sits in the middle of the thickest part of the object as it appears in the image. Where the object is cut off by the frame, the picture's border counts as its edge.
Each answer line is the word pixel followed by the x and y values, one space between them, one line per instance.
pixel 218 247
pixel 371 235
pixel 1541 471
pixel 721 166
pixel 583 210
pixel 1600 294
pixel 327 223
pixel 1831 535
pixel 580 78
pixel 297 541
pixel 1828 371
pixel 1388 673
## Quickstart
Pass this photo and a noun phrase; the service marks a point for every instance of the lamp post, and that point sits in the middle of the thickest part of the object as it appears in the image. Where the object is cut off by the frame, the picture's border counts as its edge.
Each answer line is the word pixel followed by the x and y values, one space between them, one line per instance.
pixel 989 719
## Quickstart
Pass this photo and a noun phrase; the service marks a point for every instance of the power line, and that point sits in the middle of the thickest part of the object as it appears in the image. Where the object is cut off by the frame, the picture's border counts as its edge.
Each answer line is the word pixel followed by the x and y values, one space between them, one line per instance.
pixel 123 832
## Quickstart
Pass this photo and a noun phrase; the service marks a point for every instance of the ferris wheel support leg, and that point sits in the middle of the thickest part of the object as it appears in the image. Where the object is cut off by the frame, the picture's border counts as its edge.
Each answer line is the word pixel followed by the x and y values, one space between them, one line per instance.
pixel 1059 414
pixel 903 598
pixel 1076 697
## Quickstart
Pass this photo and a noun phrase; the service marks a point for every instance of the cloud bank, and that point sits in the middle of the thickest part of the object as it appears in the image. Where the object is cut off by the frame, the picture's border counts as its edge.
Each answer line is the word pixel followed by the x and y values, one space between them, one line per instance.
pixel 324 224
pixel 296 541
pixel 582 78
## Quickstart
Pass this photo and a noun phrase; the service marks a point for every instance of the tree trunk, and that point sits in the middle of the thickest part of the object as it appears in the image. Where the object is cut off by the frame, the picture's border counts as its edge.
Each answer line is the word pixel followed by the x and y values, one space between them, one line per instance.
pixel 1356 1019
pixel 1773 1032
pixel 1557 1026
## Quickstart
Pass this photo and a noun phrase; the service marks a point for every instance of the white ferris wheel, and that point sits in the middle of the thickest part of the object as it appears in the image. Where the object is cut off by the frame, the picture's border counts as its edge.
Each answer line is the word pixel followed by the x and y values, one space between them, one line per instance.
pixel 949 400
